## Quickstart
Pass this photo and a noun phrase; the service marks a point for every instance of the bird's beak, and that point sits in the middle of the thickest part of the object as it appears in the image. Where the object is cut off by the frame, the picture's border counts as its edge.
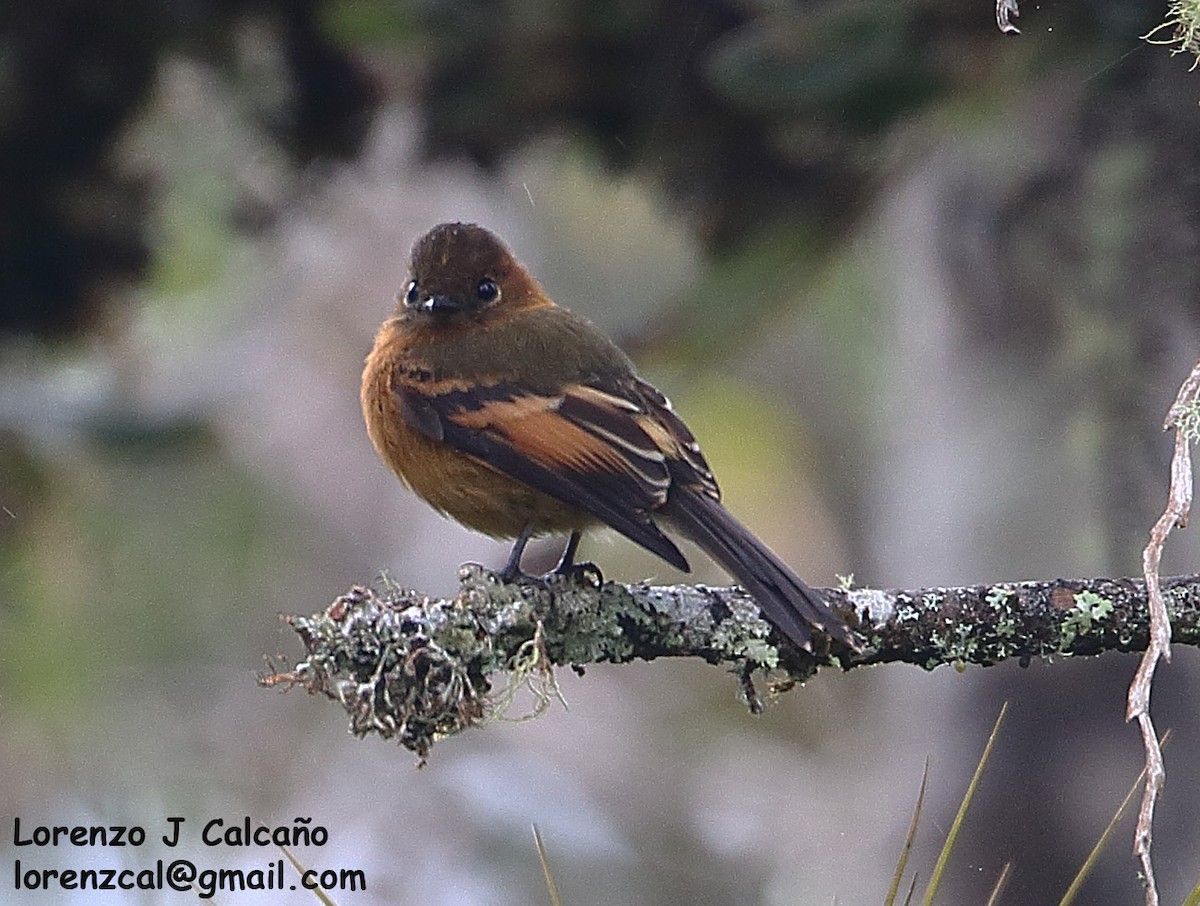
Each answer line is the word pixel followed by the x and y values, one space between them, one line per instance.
pixel 441 305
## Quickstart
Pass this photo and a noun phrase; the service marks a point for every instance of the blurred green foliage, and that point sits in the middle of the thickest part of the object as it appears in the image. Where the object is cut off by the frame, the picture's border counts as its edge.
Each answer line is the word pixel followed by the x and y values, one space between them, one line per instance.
pixel 138 550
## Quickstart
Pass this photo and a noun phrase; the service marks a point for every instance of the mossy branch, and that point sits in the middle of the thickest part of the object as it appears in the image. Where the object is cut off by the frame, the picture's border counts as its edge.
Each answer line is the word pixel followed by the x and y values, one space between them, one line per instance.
pixel 419 669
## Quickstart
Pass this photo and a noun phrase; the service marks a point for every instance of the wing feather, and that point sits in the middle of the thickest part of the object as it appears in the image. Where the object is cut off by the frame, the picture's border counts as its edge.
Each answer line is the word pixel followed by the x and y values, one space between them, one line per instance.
pixel 588 447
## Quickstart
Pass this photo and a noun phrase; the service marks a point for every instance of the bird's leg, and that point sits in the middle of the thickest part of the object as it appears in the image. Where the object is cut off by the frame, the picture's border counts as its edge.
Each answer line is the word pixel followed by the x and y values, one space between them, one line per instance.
pixel 512 569
pixel 567 561
pixel 567 565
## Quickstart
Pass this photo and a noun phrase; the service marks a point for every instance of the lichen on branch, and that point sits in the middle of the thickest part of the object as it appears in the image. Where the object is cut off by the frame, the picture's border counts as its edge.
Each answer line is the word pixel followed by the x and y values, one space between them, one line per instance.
pixel 419 669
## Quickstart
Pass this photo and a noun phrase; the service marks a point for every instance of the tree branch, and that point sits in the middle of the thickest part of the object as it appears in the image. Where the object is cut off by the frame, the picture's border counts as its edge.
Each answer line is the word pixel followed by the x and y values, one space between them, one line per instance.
pixel 419 669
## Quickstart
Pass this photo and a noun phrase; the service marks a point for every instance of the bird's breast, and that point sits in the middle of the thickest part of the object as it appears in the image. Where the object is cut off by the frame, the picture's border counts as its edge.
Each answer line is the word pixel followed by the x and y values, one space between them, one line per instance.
pixel 454 483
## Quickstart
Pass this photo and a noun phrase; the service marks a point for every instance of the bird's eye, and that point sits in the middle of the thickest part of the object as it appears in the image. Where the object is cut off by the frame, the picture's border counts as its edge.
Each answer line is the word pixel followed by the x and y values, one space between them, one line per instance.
pixel 413 293
pixel 487 290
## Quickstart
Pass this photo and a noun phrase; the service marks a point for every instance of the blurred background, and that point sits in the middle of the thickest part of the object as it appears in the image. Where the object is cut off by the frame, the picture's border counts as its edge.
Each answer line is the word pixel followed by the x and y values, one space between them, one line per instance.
pixel 923 291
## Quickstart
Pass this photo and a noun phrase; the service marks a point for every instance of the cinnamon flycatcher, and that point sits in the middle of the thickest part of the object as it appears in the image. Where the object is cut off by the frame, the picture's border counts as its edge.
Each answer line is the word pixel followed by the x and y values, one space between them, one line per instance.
pixel 519 418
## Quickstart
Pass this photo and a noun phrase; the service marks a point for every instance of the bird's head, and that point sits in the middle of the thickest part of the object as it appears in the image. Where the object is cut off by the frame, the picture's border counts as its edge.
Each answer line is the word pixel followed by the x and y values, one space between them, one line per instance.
pixel 461 270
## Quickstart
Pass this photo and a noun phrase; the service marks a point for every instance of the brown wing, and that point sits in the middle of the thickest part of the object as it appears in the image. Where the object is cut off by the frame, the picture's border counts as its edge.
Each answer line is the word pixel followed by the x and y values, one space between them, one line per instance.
pixel 593 447
pixel 685 462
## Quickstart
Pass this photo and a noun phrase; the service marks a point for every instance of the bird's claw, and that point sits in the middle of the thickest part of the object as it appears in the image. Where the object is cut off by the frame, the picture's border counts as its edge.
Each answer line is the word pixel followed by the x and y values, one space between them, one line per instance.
pixel 578 572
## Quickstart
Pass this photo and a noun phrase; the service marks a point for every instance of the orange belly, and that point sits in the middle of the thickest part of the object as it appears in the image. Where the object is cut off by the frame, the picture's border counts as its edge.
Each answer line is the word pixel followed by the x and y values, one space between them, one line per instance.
pixel 454 483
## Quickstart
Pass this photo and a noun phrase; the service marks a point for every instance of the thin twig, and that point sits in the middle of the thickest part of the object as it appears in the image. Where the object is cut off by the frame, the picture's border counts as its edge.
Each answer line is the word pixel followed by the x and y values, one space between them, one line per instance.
pixel 1006 11
pixel 1183 418
pixel 1093 857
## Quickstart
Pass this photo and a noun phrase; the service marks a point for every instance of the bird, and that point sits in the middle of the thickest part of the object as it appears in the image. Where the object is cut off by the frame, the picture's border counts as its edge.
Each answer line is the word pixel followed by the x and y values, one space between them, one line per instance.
pixel 518 418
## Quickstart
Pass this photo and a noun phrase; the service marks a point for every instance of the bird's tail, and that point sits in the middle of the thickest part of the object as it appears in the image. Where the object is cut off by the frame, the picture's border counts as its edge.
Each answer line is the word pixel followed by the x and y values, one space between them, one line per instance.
pixel 782 596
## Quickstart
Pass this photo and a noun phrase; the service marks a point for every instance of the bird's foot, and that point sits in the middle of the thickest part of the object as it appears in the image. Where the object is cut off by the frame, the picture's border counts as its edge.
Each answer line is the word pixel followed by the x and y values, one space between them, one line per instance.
pixel 578 573
pixel 567 567
pixel 509 574
pixel 581 573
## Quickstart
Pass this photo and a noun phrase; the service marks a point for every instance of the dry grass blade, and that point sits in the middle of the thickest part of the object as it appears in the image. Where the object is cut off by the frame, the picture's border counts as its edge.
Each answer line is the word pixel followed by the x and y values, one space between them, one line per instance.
pixel 1094 856
pixel 912 888
pixel 1001 883
pixel 952 837
pixel 555 900
pixel 898 875
pixel 296 864
pixel 1193 898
